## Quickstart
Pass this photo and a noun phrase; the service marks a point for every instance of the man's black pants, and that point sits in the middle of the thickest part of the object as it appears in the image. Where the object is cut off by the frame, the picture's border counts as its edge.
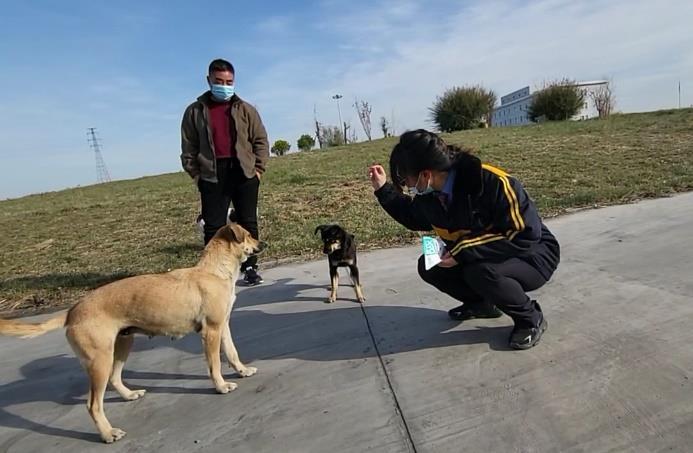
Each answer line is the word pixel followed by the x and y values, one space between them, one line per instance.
pixel 501 284
pixel 232 187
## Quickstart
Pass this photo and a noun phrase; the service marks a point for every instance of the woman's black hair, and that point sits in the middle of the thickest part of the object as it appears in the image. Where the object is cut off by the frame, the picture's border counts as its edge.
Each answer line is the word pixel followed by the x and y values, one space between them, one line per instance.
pixel 421 150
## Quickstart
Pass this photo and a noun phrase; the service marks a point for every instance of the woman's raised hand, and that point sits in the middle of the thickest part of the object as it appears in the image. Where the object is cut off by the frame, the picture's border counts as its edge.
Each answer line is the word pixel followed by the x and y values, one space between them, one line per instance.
pixel 376 173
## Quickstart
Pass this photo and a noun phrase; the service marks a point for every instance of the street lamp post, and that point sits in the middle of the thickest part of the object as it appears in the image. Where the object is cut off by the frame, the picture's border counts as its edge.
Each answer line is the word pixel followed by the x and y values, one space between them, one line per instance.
pixel 337 97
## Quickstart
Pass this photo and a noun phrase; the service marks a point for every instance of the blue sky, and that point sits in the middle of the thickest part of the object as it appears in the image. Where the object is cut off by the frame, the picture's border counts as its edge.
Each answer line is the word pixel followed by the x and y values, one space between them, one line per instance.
pixel 130 68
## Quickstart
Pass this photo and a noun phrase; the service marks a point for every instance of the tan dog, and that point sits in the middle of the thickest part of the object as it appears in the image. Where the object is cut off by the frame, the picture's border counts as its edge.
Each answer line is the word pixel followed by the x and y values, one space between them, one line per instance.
pixel 101 327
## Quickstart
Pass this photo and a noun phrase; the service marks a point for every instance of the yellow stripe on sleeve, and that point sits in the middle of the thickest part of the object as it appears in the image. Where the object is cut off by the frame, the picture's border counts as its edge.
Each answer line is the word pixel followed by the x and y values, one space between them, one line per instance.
pixel 515 216
pixel 510 194
pixel 483 239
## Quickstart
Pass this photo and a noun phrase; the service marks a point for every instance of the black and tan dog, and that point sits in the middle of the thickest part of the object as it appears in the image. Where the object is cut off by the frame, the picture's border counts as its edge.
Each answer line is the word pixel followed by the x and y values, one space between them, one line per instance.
pixel 340 248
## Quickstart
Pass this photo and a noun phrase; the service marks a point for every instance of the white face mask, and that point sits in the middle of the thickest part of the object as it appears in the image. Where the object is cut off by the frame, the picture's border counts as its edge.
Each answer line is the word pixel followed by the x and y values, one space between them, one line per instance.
pixel 414 191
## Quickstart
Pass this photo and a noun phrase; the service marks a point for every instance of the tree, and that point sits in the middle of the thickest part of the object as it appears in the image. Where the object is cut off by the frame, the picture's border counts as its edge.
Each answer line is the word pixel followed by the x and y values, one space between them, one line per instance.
pixel 353 138
pixel 363 109
pixel 332 136
pixel 348 135
pixel 385 127
pixel 305 142
pixel 603 99
pixel 280 147
pixel 318 128
pixel 461 108
pixel 557 101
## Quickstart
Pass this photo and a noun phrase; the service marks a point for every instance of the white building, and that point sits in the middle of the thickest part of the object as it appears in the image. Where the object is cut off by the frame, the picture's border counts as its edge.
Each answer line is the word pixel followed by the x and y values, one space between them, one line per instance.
pixel 514 108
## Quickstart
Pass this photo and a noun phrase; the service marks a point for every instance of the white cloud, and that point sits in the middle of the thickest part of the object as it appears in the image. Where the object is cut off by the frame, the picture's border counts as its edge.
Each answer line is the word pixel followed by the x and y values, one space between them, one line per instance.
pixel 275 24
pixel 396 54
pixel 645 47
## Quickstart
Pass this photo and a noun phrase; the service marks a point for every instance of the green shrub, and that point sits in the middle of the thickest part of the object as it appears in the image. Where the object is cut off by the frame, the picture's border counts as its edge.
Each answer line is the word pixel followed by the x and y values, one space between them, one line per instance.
pixel 461 108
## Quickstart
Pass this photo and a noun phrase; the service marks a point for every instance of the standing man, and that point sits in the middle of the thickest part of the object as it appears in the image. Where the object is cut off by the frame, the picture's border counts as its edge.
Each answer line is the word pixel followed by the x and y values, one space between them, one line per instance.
pixel 225 151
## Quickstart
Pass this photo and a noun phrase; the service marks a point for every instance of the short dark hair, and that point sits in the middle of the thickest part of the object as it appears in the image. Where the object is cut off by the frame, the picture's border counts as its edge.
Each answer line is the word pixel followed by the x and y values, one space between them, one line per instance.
pixel 221 65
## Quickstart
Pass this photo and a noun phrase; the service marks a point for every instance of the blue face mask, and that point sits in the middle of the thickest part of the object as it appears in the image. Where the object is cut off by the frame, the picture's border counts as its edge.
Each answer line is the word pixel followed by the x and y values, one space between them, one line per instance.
pixel 222 92
pixel 414 191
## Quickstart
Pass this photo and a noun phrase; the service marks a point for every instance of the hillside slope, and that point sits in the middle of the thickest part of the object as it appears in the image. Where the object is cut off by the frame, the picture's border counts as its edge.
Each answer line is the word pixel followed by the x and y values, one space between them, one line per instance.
pixel 55 246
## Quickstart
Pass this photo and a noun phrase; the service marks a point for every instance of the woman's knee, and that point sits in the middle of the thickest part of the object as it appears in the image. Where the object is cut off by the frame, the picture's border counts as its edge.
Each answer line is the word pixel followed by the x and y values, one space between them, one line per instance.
pixel 423 273
pixel 421 268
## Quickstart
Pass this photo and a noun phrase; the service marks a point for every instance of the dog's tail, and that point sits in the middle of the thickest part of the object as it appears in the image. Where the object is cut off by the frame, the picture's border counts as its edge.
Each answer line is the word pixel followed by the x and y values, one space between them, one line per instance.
pixel 25 330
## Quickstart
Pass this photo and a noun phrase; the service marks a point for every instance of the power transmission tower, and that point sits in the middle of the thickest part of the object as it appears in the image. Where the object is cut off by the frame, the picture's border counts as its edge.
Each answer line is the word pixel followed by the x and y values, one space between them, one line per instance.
pixel 102 174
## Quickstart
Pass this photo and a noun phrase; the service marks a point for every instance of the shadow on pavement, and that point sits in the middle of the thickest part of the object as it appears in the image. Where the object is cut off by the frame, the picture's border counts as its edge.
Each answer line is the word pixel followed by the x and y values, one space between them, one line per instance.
pixel 38 384
pixel 325 334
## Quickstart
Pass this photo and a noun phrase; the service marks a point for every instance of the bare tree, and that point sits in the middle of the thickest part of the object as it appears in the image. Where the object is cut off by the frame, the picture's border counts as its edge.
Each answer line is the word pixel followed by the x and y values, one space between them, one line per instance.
pixel 318 134
pixel 603 99
pixel 363 109
pixel 346 133
pixel 385 127
pixel 353 138
pixel 318 128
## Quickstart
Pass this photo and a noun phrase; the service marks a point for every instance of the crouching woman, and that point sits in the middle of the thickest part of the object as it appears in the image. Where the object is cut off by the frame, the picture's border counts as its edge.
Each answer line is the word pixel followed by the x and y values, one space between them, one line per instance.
pixel 497 247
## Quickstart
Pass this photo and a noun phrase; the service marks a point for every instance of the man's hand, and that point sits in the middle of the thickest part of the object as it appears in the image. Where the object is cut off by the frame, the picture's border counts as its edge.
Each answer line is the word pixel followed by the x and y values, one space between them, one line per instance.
pixel 376 173
pixel 259 175
pixel 447 260
pixel 196 179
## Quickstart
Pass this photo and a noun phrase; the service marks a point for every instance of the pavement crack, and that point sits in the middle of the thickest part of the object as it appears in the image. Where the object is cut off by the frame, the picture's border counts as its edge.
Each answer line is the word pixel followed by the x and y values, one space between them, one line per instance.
pixel 398 407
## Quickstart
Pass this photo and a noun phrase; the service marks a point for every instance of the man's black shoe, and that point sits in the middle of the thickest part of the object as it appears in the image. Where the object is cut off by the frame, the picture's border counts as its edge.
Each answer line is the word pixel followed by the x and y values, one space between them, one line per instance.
pixel 475 311
pixel 252 278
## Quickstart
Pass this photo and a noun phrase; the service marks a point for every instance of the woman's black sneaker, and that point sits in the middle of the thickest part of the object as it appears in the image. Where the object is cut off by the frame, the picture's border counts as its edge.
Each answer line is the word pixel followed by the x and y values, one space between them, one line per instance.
pixel 527 337
pixel 474 311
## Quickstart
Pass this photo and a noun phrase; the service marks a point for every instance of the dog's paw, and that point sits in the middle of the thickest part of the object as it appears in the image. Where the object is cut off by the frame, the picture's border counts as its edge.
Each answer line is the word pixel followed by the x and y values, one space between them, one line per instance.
pixel 361 299
pixel 247 371
pixel 134 395
pixel 113 435
pixel 330 300
pixel 227 387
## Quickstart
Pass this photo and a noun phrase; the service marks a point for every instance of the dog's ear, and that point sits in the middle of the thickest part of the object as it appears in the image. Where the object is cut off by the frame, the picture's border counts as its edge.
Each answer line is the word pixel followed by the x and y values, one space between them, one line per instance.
pixel 320 229
pixel 233 232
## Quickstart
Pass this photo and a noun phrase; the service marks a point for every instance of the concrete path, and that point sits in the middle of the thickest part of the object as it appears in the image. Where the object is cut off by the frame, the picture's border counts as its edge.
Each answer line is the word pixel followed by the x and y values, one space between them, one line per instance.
pixel 614 372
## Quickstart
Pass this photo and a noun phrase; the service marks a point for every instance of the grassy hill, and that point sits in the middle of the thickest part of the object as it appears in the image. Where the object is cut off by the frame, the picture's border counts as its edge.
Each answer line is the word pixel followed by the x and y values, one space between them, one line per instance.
pixel 56 246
